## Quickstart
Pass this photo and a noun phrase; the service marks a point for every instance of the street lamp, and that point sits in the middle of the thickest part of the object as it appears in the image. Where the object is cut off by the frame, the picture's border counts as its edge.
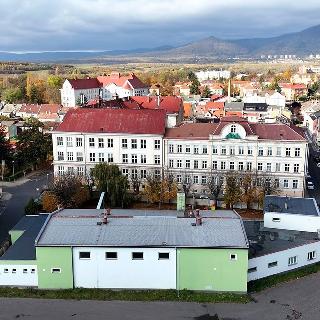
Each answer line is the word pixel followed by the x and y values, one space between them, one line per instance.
pixel 13 169
pixel 47 180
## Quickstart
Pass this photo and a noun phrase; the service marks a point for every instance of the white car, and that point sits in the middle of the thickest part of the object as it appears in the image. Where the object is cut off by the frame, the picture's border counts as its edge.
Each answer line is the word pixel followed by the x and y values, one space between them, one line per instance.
pixel 310 185
pixel 308 176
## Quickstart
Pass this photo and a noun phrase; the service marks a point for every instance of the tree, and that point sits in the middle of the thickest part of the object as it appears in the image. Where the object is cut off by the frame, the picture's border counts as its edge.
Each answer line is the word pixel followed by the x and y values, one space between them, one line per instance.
pixel 32 207
pixel 13 95
pixel 232 192
pixel 249 191
pixel 49 202
pixel 206 93
pixel 215 184
pixel 160 190
pixel 4 145
pixel 65 188
pixel 195 87
pixel 109 179
pixel 266 185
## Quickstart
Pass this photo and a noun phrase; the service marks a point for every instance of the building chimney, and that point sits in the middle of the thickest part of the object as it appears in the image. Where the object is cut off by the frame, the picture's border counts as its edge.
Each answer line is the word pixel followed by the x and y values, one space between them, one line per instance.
pixel 158 101
pixel 229 90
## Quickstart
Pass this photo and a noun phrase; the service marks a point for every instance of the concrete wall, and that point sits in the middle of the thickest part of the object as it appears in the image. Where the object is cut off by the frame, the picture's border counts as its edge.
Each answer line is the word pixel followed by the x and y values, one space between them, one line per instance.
pixel 212 269
pixel 149 273
pixel 282 259
pixel 292 221
pixel 50 258
pixel 18 273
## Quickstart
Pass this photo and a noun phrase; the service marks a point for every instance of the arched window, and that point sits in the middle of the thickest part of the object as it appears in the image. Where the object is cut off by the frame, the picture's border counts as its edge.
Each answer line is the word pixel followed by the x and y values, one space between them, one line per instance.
pixel 233 128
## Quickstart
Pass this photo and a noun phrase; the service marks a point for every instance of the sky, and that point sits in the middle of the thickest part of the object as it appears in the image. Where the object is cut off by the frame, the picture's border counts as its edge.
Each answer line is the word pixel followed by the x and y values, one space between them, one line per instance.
pixel 54 25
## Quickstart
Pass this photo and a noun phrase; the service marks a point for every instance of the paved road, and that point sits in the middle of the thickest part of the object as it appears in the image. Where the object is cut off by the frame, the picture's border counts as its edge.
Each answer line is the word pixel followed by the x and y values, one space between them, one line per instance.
pixel 296 300
pixel 18 194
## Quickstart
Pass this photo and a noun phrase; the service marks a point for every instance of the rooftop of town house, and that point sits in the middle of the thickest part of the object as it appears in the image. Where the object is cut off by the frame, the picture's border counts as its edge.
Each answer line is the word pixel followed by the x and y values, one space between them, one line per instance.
pixel 24 248
pixel 80 228
pixel 264 241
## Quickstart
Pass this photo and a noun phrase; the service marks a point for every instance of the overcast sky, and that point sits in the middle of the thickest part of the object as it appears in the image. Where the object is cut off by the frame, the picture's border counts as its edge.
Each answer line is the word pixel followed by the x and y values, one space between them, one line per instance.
pixel 36 25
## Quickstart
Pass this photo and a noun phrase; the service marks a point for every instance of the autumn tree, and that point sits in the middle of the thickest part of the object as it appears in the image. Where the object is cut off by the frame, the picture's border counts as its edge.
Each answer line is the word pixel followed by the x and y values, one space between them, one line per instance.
pixel 215 184
pixel 50 202
pixel 232 192
pixel 109 179
pixel 266 185
pixel 249 191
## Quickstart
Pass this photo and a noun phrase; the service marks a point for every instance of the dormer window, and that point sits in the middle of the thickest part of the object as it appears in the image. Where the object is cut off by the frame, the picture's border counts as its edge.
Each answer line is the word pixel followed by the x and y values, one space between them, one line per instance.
pixel 233 128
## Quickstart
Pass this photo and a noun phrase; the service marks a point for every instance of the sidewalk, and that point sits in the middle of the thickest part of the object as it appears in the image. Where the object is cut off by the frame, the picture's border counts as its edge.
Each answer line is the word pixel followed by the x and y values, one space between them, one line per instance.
pixel 22 180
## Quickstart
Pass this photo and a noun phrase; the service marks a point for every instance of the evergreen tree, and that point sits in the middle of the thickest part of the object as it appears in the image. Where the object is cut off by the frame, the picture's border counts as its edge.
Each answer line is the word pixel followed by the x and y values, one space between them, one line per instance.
pixel 206 93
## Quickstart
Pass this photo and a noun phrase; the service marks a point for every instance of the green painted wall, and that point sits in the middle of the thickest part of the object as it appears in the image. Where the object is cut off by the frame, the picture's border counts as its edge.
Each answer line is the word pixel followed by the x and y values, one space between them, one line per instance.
pixel 15 235
pixel 212 269
pixel 54 257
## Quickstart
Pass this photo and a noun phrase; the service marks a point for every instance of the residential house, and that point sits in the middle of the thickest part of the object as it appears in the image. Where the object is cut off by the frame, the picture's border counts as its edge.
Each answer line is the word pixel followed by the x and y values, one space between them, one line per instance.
pixel 293 91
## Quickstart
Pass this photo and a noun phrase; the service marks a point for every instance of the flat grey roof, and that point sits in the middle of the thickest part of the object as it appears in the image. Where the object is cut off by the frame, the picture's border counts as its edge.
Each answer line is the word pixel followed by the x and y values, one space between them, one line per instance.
pixel 288 205
pixel 24 247
pixel 64 229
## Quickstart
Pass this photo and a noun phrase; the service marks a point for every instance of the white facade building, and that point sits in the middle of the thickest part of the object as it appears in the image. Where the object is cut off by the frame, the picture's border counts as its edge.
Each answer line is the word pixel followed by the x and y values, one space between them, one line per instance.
pixel 212 74
pixel 130 268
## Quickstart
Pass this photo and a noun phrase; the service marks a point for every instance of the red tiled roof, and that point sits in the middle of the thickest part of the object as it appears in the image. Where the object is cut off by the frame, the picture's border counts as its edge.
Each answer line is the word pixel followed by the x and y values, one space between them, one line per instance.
pixel 114 121
pixel 294 86
pixel 30 108
pixel 214 105
pixel 89 83
pixel 128 82
pixel 196 131
pixel 50 108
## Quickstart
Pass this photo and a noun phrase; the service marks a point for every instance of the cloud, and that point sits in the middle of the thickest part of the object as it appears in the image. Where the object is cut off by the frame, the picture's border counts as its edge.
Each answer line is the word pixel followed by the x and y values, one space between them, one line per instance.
pixel 121 24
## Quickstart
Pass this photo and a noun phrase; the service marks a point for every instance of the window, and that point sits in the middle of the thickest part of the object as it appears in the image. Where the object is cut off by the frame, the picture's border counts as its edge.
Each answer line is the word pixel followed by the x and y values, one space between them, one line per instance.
pixel 214 165
pixel 233 128
pixel 124 158
pixel 275 219
pixel 55 270
pixel 278 151
pixel 214 150
pixel 137 255
pixel 286 183
pixel 101 157
pixel 157 159
pixel 311 255
pixel 223 165
pixel 6 270
pixel 253 269
pixel 204 149
pixel 134 158
pixel 195 164
pixel 296 168
pixel 157 144
pixel 188 165
pixel 143 174
pixel 240 166
pixel 91 142
pixel 179 178
pixel 240 150
pixel 195 149
pixel 111 255
pixel 179 148
pixel 250 151
pixel 92 157
pixel 110 157
pixel 70 170
pixel 143 144
pixel 260 151
pixel 134 144
pixel 124 143
pixel 171 163
pixel 268 166
pixel 157 173
pixel 60 155
pixel 70 156
pixel 204 164
pixel 163 255
pixel 125 172
pixel 288 150
pixel 286 167
pixel 60 170
pixel 272 264
pixel 79 156
pixel 188 149
pixel 143 158
pixel 259 166
pixel 100 143
pixel 292 261
pixel 204 180
pixel 269 151
pixel 170 148
pixel 179 163
pixel 233 256
pixel 295 184
pixel 223 150
pixel 277 166
pixel 297 152
pixel 195 179
pixel 69 141
pixel 14 270
pixel 59 141
pixel 110 143
pixel 231 165
pixel 80 171
pixel 33 270
pixel 277 183
pixel 249 166
pixel 84 255
pixel 25 271
pixel 78 142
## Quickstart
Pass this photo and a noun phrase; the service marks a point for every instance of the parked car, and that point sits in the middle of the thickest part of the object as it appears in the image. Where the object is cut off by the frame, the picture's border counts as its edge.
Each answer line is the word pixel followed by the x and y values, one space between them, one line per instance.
pixel 308 176
pixel 310 185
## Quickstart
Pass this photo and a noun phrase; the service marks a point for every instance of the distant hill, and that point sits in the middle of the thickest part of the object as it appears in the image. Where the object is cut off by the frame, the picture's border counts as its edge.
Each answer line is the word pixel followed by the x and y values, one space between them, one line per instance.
pixel 299 43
